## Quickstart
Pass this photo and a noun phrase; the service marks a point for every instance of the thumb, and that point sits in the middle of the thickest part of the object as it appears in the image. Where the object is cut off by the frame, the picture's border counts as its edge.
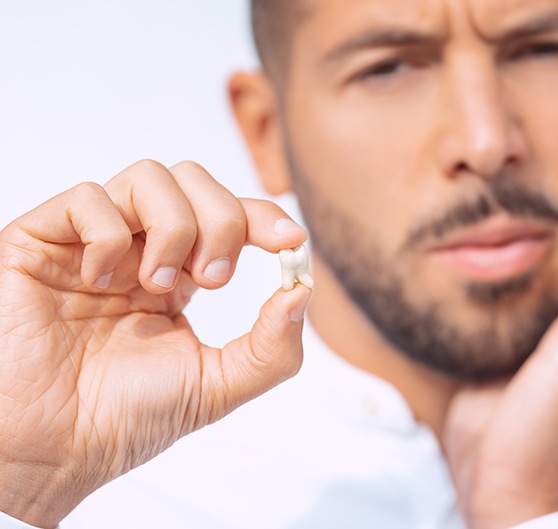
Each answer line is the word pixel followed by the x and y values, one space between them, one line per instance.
pixel 269 354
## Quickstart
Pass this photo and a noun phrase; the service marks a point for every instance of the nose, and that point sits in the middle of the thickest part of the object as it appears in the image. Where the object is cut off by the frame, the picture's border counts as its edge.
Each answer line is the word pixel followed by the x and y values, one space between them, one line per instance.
pixel 480 134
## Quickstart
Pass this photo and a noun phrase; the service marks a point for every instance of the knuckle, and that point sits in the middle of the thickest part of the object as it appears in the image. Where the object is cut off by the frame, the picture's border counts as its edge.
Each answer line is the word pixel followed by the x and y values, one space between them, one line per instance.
pixel 88 190
pixel 273 337
pixel 229 224
pixel 291 364
pixel 230 214
pixel 266 203
pixel 148 167
pixel 118 240
pixel 122 238
pixel 189 167
pixel 270 348
pixel 175 231
pixel 260 204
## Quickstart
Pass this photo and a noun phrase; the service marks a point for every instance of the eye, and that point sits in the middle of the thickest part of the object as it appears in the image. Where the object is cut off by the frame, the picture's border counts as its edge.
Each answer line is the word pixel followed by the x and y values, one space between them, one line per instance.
pixel 383 70
pixel 399 65
pixel 538 49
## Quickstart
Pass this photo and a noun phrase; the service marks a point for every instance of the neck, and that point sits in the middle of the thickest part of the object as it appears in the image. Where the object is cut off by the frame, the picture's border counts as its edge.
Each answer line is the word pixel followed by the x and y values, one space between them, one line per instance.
pixel 347 331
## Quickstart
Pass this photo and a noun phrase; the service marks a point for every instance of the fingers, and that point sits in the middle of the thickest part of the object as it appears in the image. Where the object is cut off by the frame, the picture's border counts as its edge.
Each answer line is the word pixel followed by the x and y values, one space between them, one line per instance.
pixel 151 201
pixel 84 213
pixel 268 355
pixel 225 224
pixel 533 393
pixel 187 219
pixel 221 223
pixel 269 227
pixel 190 219
pixel 510 451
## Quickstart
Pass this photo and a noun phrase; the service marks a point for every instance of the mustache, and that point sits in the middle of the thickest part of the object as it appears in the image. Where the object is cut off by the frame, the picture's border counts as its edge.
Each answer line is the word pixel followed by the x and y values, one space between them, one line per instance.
pixel 517 201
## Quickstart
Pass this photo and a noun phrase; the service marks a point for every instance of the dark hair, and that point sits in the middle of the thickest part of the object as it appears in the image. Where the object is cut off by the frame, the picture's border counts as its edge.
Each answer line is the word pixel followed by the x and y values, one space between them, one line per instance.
pixel 273 25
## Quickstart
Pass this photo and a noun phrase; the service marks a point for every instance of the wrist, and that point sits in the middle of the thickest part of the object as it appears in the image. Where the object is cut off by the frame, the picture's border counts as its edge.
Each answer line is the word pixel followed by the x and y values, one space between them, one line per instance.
pixel 36 494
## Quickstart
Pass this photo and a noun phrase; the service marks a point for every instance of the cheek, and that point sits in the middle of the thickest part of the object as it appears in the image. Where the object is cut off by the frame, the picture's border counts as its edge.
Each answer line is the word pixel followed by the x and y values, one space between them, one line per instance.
pixel 540 129
pixel 365 160
pixel 531 89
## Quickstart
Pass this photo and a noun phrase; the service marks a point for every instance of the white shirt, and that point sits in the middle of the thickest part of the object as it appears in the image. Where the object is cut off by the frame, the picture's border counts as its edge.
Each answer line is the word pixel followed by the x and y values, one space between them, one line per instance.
pixel 333 448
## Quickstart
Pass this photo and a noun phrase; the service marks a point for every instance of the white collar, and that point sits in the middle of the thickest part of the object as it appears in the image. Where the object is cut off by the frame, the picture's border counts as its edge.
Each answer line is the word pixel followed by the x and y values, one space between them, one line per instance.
pixel 353 392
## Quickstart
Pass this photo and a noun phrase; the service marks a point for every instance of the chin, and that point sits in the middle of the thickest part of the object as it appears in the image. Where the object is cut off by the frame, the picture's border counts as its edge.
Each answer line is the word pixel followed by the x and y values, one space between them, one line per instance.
pixel 509 290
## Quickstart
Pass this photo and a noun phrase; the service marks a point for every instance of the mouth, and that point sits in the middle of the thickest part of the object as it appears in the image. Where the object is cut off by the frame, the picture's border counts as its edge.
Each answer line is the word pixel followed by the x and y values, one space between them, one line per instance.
pixel 495 250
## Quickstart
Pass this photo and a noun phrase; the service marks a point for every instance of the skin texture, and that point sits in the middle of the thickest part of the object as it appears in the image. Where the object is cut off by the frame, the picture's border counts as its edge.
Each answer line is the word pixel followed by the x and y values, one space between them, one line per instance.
pixel 100 375
pixel 90 302
pixel 377 225
pixel 405 128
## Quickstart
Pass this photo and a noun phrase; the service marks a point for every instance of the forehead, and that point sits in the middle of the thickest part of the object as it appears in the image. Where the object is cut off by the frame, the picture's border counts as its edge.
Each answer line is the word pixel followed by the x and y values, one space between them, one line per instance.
pixel 330 20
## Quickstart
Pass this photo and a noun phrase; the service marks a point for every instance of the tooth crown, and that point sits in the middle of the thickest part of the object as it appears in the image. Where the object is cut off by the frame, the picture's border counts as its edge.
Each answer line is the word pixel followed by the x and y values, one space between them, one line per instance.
pixel 295 267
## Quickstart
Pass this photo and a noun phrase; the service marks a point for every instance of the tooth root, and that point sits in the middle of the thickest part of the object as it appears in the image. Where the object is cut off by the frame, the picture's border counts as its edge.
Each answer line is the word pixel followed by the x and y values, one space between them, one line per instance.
pixel 288 280
pixel 295 267
pixel 306 280
pixel 288 285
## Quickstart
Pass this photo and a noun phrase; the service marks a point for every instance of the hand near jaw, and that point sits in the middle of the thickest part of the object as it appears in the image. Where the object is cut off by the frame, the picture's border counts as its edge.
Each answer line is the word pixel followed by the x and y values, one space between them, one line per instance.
pixel 100 369
pixel 502 443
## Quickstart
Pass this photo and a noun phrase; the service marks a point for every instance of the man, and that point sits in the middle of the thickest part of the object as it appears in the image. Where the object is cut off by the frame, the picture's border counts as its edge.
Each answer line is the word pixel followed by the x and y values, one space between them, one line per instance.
pixel 418 137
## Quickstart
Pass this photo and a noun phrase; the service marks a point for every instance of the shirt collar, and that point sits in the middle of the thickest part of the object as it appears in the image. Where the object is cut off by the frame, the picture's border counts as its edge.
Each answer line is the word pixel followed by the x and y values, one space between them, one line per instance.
pixel 350 391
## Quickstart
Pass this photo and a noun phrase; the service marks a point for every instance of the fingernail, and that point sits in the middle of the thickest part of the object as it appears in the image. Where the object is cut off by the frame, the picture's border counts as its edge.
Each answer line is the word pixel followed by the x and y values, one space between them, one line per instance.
pixel 104 281
pixel 164 277
pixel 284 226
pixel 297 314
pixel 218 271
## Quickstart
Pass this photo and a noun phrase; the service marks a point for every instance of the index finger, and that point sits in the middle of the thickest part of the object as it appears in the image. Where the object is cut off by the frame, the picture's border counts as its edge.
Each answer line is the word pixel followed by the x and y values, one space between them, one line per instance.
pixel 269 227
pixel 85 214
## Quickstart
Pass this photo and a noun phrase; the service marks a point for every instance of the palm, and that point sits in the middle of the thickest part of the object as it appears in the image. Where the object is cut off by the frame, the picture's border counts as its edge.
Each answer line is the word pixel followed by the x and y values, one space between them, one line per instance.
pixel 91 357
pixel 100 369
pixel 501 443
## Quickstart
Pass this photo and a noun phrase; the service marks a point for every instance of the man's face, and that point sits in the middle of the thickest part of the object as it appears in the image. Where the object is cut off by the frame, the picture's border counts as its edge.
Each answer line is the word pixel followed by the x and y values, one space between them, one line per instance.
pixel 423 142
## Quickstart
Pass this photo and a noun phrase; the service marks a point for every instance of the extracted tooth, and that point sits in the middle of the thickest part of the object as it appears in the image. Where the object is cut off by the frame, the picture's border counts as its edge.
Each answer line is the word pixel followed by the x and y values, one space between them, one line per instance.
pixel 295 267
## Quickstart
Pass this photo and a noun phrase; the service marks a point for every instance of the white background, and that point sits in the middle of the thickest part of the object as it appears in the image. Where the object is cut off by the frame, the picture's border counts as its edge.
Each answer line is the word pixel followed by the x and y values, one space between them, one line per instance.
pixel 89 87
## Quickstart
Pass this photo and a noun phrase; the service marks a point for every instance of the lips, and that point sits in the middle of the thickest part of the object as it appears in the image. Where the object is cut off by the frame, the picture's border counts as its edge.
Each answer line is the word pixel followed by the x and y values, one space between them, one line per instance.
pixel 498 249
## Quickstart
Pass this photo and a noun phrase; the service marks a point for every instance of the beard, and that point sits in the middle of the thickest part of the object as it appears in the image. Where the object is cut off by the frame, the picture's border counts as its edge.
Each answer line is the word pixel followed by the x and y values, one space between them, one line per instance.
pixel 430 332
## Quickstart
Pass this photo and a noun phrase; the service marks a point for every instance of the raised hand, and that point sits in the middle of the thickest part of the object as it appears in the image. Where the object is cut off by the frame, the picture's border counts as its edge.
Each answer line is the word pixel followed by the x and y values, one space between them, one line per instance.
pixel 100 369
pixel 502 443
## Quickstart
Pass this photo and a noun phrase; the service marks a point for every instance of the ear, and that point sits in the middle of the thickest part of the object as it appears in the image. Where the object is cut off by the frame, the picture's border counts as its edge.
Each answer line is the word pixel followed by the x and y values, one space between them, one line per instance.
pixel 255 107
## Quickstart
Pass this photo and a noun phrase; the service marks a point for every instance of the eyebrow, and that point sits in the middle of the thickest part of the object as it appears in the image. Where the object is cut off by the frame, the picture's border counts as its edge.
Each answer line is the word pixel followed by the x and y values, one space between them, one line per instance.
pixel 377 38
pixel 542 24
pixel 395 37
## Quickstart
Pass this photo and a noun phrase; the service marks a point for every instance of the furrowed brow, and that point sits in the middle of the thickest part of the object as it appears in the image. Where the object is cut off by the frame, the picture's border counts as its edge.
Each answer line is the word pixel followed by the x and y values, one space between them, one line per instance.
pixel 540 25
pixel 374 38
